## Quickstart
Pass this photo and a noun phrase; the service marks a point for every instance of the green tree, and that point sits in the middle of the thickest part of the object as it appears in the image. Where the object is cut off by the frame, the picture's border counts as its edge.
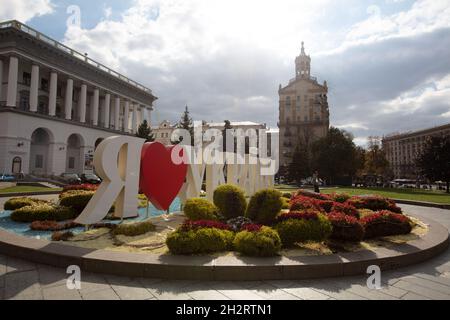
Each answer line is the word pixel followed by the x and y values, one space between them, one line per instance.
pixel 375 158
pixel 334 156
pixel 145 132
pixel 300 167
pixel 186 123
pixel 434 161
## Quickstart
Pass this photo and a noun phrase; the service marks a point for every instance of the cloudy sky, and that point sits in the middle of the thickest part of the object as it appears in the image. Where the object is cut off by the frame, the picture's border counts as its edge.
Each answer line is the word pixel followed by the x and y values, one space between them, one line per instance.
pixel 387 62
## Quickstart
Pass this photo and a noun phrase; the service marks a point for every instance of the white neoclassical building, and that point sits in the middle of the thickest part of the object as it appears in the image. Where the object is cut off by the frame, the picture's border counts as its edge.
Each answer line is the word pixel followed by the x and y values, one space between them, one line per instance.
pixel 56 105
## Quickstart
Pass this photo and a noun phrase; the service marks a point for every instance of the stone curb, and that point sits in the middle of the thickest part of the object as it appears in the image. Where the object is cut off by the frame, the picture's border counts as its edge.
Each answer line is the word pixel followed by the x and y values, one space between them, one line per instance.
pixel 423 204
pixel 38 193
pixel 226 267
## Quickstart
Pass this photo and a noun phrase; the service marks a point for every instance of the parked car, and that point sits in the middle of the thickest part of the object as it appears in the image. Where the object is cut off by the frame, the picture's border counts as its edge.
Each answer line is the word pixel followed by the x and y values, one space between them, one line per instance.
pixel 7 177
pixel 70 178
pixel 90 178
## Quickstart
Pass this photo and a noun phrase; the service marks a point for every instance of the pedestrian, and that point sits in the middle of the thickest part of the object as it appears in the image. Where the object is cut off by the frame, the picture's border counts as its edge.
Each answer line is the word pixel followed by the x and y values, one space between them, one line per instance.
pixel 316 181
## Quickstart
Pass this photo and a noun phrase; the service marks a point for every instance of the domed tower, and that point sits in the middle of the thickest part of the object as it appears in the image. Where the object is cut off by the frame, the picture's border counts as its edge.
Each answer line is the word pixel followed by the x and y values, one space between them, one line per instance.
pixel 303 64
pixel 304 115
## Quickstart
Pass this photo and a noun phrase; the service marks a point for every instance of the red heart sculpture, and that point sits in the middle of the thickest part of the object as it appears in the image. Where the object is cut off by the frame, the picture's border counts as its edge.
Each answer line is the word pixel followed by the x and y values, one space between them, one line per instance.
pixel 161 179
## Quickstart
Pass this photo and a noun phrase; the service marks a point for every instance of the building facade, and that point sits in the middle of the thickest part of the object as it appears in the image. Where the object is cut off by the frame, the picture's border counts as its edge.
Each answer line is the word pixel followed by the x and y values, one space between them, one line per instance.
pixel 303 109
pixel 57 105
pixel 403 149
pixel 163 132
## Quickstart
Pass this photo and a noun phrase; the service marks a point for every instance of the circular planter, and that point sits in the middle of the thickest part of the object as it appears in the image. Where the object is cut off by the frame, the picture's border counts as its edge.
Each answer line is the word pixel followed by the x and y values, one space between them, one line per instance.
pixel 227 267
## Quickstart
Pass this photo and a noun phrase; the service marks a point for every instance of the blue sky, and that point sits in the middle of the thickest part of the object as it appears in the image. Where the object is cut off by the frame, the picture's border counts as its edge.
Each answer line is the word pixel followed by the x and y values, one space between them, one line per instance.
pixel 385 60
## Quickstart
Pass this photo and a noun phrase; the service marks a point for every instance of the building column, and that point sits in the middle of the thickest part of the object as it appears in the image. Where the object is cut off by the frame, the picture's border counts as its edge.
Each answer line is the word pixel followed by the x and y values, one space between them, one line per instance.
pixel 106 110
pixel 52 93
pixel 1 78
pixel 126 117
pixel 149 115
pixel 117 114
pixel 11 99
pixel 34 88
pixel 143 114
pixel 96 101
pixel 68 101
pixel 135 119
pixel 82 103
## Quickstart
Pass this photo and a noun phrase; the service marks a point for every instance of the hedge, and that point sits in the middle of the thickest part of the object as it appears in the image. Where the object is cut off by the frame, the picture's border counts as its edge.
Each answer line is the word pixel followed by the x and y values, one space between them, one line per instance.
pixel 264 242
pixel 43 212
pixel 264 206
pixel 200 209
pixel 230 200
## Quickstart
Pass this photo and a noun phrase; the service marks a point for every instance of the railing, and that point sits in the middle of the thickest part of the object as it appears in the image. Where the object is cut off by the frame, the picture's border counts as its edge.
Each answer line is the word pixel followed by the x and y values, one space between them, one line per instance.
pixel 304 77
pixel 36 34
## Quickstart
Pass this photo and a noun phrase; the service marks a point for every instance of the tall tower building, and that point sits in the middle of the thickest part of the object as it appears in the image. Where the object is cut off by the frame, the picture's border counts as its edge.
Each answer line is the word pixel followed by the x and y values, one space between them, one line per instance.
pixel 303 109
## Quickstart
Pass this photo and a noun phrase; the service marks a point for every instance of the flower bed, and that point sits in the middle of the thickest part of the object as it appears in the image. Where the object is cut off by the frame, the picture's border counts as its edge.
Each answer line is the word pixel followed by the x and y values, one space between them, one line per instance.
pixel 385 223
pixel 346 227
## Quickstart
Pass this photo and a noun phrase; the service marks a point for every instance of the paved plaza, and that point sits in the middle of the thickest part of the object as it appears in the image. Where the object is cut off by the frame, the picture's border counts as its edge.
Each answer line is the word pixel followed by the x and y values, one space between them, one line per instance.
pixel 20 279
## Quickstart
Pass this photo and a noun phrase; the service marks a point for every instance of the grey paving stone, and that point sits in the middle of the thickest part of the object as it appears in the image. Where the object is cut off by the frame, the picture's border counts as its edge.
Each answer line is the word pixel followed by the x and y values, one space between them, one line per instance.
pixel 204 291
pixel 169 290
pixel 413 296
pixel 60 293
pixel 420 290
pixel 428 284
pixel 233 291
pixel 18 265
pixel 51 276
pixel 306 293
pixel 132 291
pixel 22 285
pixel 103 294
pixel 339 294
pixel 91 283
pixel 269 292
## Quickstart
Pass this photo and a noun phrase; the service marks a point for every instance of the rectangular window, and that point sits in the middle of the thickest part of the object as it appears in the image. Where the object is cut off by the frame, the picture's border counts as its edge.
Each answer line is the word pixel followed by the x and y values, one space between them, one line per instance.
pixel 44 84
pixel 71 162
pixel 27 78
pixel 39 161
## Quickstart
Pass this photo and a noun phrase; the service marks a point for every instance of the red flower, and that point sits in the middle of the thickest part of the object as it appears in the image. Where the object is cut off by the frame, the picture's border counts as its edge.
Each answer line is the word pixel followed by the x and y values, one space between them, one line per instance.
pixel 346 209
pixel 340 218
pixel 200 224
pixel 250 227
pixel 384 216
pixel 308 214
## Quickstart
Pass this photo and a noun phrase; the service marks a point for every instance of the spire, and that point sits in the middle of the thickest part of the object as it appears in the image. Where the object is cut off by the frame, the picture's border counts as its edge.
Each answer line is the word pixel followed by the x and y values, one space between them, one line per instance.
pixel 303 64
pixel 303 48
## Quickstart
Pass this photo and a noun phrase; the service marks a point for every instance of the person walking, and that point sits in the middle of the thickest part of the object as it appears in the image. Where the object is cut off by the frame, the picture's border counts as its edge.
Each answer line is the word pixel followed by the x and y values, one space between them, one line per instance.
pixel 316 181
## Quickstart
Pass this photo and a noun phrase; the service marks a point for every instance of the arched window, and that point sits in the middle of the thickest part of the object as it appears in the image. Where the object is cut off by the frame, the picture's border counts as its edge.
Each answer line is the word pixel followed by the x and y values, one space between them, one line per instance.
pixel 16 165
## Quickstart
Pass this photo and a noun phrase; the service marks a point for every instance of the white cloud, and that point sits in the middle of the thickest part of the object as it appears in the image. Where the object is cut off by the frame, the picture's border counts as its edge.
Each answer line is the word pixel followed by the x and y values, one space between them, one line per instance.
pixel 24 10
pixel 225 59
pixel 424 16
pixel 353 126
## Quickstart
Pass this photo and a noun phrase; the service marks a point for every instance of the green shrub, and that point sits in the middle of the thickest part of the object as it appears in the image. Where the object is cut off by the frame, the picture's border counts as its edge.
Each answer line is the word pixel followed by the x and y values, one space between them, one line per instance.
pixel 230 200
pixel 200 209
pixel 287 195
pixel 134 229
pixel 340 197
pixel 76 200
pixel 43 212
pixel 295 230
pixel 285 202
pixel 199 241
pixel 17 203
pixel 263 243
pixel 264 206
